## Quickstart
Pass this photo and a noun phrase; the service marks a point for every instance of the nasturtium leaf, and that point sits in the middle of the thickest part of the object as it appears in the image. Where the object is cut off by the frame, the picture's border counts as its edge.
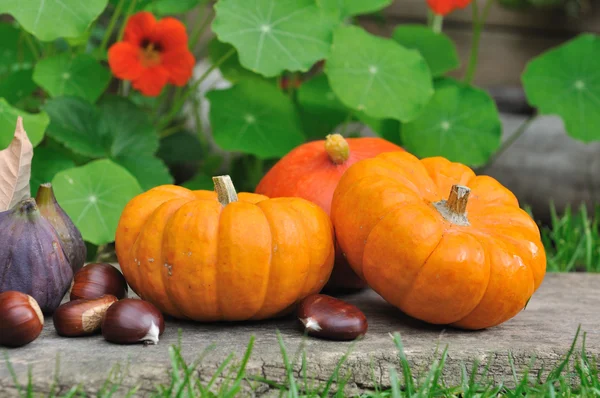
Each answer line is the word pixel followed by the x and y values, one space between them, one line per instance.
pixel 171 7
pixel 275 35
pixel 64 74
pixel 388 129
pixel 565 81
pixel 34 124
pixel 200 181
pixel 94 196
pixel 17 85
pixel 46 164
pixel 321 111
pixel 116 127
pixel 51 19
pixel 378 76
pixel 127 130
pixel 180 147
pixel 460 123
pixel 354 7
pixel 14 53
pixel 231 69
pixel 148 170
pixel 437 48
pixel 254 117
pixel 73 123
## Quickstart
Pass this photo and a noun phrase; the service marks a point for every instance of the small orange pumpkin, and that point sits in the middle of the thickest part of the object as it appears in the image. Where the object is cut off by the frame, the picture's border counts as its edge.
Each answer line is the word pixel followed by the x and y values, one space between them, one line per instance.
pixel 210 256
pixel 471 259
pixel 312 171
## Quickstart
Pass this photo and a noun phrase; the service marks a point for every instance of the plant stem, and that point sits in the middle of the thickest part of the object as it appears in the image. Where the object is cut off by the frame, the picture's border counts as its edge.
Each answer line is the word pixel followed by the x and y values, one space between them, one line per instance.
pixel 437 23
pixel 511 140
pixel 111 25
pixel 192 87
pixel 478 24
pixel 170 131
pixel 125 17
pixel 199 31
pixel 34 50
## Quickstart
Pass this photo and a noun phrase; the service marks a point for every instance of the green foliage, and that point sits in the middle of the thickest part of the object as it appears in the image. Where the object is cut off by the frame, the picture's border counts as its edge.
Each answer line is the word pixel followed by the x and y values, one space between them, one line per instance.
pixel 52 19
pixel 348 8
pixel 320 109
pixel 35 124
pixel 460 123
pixel 274 35
pixel 94 196
pixel 17 86
pixel 438 49
pixel 566 81
pixel 378 76
pixel 64 74
pixel 15 54
pixel 255 117
pixel 46 163
pixel 170 7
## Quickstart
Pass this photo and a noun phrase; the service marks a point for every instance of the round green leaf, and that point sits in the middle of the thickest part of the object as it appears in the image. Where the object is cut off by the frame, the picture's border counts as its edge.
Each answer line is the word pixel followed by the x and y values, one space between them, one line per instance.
pixel 231 69
pixel 565 81
pixel 17 86
pixel 275 35
pixel 200 181
pixel 321 111
pixel 14 53
pixel 254 117
pixel 116 127
pixel 51 19
pixel 461 123
pixel 94 197
pixel 438 49
pixel 34 124
pixel 46 164
pixel 348 8
pixel 79 75
pixel 378 76
pixel 148 170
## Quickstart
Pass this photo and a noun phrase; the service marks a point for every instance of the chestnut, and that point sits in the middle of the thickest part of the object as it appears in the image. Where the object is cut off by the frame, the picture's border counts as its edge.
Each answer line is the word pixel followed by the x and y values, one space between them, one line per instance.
pixel 132 321
pixel 331 318
pixel 97 279
pixel 21 319
pixel 81 317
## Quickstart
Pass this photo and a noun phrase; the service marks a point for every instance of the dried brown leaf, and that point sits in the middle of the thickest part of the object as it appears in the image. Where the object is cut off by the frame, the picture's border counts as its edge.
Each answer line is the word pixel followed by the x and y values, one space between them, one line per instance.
pixel 15 169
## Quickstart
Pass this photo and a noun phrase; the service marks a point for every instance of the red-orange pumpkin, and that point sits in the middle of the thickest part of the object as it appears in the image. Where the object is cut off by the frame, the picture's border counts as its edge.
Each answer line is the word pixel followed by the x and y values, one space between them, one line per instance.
pixel 312 171
pixel 438 242
pixel 212 256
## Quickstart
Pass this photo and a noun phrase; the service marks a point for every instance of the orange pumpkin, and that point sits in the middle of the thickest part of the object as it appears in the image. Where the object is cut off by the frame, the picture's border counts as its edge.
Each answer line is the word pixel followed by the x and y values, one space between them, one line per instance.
pixel 438 242
pixel 210 256
pixel 312 171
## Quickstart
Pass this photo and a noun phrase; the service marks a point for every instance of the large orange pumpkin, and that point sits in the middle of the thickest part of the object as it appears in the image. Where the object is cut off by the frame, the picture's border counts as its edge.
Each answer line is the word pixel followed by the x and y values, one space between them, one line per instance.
pixel 438 242
pixel 312 171
pixel 210 256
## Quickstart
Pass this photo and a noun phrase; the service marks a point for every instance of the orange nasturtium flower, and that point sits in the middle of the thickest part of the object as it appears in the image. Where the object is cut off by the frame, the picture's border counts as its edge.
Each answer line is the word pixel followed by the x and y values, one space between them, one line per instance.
pixel 445 7
pixel 152 53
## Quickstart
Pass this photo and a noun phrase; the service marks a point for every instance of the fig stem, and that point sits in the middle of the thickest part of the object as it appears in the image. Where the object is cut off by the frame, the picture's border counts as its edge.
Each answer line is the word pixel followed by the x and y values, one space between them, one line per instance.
pixel 225 190
pixel 45 194
pixel 337 148
pixel 454 209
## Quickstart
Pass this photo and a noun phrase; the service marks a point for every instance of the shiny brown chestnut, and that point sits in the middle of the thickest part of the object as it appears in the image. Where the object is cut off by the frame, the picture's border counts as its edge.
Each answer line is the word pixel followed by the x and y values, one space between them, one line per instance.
pixel 132 321
pixel 331 318
pixel 97 279
pixel 21 319
pixel 81 317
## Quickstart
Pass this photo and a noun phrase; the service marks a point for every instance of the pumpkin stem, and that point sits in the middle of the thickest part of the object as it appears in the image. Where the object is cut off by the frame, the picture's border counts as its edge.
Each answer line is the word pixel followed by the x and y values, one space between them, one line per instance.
pixel 225 190
pixel 337 148
pixel 454 209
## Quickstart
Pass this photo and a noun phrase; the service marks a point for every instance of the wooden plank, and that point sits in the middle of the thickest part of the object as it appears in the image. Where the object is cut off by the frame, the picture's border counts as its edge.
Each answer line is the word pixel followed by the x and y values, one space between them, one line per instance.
pixel 502 17
pixel 502 57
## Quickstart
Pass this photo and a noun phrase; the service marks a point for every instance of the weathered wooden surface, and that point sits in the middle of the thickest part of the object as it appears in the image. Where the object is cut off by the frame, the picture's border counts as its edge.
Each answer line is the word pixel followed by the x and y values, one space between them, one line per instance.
pixel 545 329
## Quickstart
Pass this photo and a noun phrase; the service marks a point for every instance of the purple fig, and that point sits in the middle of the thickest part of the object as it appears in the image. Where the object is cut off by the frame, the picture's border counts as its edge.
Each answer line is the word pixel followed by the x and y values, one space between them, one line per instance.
pixel 32 260
pixel 70 237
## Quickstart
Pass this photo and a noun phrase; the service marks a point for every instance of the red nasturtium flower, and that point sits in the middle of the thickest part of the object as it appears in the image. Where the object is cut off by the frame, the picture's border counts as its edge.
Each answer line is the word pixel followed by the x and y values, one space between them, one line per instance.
pixel 152 53
pixel 445 7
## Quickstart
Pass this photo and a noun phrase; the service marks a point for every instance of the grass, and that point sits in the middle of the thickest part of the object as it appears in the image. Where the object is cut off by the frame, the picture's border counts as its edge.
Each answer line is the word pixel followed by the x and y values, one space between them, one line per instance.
pixel 576 375
pixel 572 240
